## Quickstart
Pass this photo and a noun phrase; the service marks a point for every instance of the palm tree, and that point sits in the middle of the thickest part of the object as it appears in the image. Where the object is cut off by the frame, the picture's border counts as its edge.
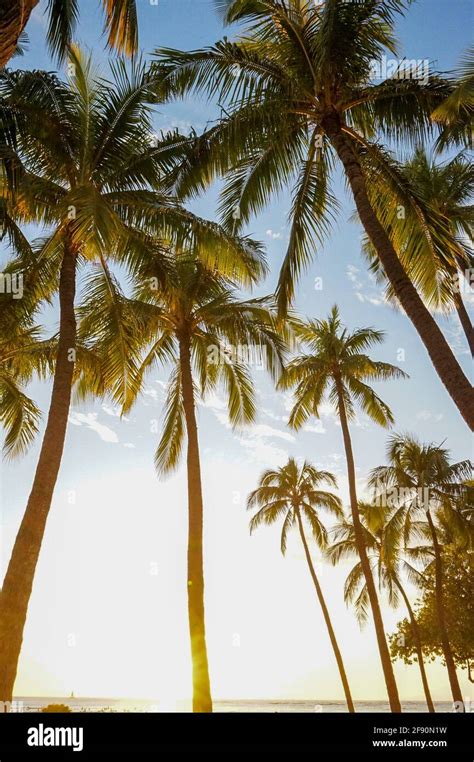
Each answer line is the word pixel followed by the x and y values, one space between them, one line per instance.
pixel 120 25
pixel 292 493
pixel 422 480
pixel 383 539
pixel 337 364
pixel 90 174
pixel 434 234
pixel 193 321
pixel 298 94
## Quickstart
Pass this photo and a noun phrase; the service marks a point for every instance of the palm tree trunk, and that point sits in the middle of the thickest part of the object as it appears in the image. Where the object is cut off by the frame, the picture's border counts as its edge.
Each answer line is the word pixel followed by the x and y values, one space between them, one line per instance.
pixel 18 582
pixel 443 359
pixel 470 676
pixel 447 652
pixel 465 321
pixel 327 618
pixel 419 651
pixel 202 701
pixel 14 15
pixel 387 666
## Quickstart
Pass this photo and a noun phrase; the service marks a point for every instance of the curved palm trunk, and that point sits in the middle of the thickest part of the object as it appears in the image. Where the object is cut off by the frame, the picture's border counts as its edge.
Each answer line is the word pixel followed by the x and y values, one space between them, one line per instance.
pixel 444 361
pixel 14 15
pixel 327 618
pixel 465 321
pixel 419 652
pixel 18 582
pixel 202 701
pixel 447 652
pixel 387 666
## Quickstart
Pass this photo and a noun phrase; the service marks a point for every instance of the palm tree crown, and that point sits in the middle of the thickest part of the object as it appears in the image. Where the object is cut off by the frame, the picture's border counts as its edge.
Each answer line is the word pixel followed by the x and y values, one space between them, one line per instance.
pixel 298 65
pixel 292 488
pixel 383 534
pixel 421 478
pixel 183 302
pixel 433 235
pixel 337 361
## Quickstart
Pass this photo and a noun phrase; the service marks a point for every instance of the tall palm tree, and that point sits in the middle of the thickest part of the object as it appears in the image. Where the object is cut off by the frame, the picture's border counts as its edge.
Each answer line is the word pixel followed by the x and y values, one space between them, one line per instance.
pixel 298 94
pixel 120 25
pixel 91 175
pixel 337 364
pixel 422 480
pixel 433 237
pixel 383 538
pixel 194 322
pixel 293 494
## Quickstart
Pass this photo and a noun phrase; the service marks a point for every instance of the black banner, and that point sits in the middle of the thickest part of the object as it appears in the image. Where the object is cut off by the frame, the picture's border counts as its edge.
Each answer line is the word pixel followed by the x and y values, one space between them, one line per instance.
pixel 91 735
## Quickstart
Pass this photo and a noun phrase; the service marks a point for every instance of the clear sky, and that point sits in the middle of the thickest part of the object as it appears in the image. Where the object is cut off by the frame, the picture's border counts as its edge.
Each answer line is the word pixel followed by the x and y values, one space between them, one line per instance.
pixel 108 612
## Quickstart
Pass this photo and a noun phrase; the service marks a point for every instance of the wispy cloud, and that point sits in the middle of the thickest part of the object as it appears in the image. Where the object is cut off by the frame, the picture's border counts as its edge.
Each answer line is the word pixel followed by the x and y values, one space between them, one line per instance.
pixel 157 394
pixel 365 288
pixel 274 235
pixel 315 428
pixel 456 338
pixel 90 421
pixel 114 411
pixel 256 438
pixel 148 391
pixel 263 451
pixel 428 415
pixel 262 430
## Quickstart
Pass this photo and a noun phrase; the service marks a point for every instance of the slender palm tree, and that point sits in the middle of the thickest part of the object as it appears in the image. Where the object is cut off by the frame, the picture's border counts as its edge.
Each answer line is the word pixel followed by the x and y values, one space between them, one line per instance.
pixel 90 173
pixel 293 494
pixel 337 364
pixel 383 538
pixel 120 25
pixel 422 480
pixel 298 92
pixel 193 321
pixel 433 236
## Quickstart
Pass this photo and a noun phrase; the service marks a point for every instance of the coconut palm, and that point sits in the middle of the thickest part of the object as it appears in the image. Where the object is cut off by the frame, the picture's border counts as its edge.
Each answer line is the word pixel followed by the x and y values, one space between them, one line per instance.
pixel 292 494
pixel 337 364
pixel 194 322
pixel 433 236
pixel 88 171
pixel 298 94
pixel 120 25
pixel 423 481
pixel 383 537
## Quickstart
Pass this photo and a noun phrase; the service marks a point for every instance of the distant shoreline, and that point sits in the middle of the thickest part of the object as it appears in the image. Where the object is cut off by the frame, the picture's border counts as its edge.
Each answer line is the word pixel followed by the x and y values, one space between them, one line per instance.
pixel 33 704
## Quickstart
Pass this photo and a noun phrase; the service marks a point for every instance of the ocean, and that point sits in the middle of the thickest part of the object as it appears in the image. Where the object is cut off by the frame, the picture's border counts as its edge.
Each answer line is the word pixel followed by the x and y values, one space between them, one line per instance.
pixel 36 704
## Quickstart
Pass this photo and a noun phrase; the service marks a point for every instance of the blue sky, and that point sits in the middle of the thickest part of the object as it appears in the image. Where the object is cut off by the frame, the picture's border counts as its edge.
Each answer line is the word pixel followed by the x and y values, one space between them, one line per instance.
pixel 112 567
